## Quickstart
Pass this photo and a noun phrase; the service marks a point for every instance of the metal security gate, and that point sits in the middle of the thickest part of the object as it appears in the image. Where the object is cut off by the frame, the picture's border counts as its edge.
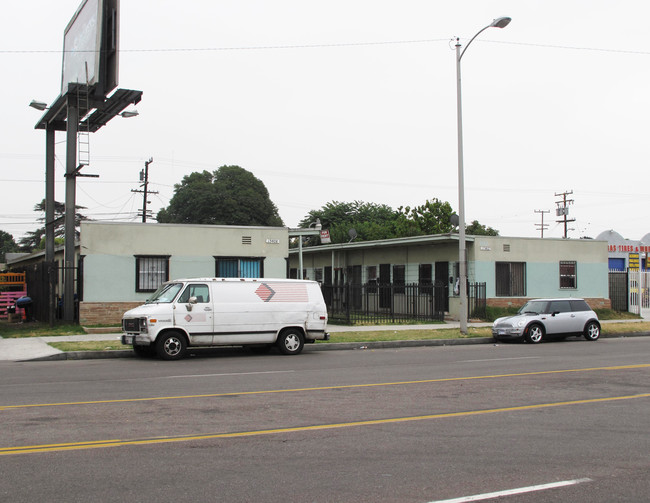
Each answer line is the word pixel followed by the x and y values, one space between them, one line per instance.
pixel 638 295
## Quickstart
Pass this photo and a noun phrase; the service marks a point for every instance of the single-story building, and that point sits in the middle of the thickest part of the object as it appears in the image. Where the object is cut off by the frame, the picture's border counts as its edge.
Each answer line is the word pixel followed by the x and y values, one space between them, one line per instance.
pixel 513 269
pixel 624 253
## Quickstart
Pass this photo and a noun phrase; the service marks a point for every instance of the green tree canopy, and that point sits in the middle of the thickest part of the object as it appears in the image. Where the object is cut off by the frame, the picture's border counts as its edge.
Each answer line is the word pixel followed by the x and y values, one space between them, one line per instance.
pixel 35 240
pixel 229 196
pixel 7 245
pixel 369 220
pixel 476 229
pixel 373 221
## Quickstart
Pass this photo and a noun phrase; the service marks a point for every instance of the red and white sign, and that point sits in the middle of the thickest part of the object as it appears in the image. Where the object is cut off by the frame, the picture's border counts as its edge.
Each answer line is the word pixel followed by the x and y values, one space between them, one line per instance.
pixel 282 292
pixel 325 237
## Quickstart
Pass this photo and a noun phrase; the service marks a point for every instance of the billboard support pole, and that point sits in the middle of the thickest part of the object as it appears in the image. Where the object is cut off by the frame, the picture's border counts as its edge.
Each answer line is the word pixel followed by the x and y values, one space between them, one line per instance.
pixel 70 204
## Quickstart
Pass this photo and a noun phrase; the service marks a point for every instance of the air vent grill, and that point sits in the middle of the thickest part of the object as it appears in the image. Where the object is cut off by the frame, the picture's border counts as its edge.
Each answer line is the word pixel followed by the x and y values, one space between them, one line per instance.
pixel 246 240
pixel 506 248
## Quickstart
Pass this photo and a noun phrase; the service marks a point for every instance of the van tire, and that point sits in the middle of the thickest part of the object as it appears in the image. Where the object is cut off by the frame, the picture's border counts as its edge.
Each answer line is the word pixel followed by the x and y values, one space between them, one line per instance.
pixel 171 346
pixel 291 341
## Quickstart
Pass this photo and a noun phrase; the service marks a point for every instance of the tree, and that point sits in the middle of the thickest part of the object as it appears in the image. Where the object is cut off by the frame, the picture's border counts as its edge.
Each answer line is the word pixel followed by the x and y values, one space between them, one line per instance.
pixel 373 221
pixel 432 217
pixel 369 220
pixel 229 196
pixel 476 229
pixel 7 245
pixel 35 240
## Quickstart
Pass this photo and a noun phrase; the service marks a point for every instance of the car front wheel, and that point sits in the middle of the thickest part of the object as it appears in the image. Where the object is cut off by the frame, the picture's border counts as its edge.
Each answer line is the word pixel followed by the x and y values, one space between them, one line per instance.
pixel 534 334
pixel 592 331
pixel 171 346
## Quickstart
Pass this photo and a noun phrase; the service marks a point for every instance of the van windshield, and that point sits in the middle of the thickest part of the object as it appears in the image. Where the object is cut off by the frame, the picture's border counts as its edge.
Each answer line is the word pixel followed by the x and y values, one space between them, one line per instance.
pixel 166 293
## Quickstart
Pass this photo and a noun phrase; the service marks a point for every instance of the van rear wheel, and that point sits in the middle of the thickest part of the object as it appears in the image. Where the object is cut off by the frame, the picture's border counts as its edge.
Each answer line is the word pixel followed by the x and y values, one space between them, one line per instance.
pixel 171 346
pixel 291 341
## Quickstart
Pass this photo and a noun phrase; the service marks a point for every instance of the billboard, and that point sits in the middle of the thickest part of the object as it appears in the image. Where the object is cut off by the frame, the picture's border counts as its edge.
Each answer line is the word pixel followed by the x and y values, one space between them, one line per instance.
pixel 90 46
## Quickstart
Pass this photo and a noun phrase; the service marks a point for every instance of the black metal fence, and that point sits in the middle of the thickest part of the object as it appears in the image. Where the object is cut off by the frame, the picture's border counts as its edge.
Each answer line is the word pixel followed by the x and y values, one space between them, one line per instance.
pixel 42 280
pixel 373 303
pixel 618 290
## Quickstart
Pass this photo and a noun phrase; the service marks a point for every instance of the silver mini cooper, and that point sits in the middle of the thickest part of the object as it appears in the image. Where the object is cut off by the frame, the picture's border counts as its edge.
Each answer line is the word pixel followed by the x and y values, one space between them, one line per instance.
pixel 549 317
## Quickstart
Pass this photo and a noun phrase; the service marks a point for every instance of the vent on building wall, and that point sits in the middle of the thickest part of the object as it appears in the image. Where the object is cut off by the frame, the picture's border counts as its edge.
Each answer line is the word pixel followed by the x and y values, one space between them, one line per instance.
pixel 246 240
pixel 506 248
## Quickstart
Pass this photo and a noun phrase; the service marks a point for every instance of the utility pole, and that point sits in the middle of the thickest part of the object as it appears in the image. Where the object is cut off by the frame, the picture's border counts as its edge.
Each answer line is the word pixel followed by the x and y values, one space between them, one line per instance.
pixel 542 227
pixel 562 210
pixel 144 178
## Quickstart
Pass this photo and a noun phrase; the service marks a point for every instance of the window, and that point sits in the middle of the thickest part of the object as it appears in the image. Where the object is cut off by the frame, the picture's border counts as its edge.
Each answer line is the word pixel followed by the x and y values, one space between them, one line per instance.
pixel 399 278
pixel 371 272
pixel 568 274
pixel 201 292
pixel 510 279
pixel 236 267
pixel 150 272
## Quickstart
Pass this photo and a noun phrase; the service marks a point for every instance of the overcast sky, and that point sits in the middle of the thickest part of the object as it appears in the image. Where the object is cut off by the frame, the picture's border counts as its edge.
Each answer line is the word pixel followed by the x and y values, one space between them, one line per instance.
pixel 353 100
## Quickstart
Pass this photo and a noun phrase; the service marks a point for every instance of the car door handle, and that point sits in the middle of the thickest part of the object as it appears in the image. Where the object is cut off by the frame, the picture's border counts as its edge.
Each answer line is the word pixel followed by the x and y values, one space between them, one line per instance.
pixel 207 309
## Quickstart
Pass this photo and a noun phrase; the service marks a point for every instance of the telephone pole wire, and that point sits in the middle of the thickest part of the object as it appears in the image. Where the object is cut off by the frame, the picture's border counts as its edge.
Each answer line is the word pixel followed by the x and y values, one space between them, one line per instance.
pixel 542 227
pixel 562 210
pixel 144 178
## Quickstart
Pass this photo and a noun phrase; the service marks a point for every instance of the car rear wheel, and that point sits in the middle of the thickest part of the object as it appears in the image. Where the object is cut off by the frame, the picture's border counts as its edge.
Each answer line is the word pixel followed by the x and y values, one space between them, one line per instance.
pixel 535 333
pixel 592 331
pixel 291 342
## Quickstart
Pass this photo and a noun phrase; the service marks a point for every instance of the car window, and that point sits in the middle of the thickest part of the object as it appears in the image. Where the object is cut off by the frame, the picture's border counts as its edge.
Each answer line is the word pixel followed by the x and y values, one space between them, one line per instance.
pixel 201 292
pixel 579 305
pixel 560 306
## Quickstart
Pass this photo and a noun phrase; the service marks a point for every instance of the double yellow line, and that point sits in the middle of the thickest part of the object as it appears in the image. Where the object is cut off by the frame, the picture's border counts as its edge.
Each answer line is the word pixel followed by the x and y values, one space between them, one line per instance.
pixel 322 388
pixel 33 449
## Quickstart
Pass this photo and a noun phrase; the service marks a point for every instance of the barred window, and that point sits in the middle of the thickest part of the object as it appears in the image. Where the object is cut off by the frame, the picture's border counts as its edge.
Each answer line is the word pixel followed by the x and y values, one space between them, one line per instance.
pixel 151 271
pixel 511 279
pixel 568 274
pixel 425 278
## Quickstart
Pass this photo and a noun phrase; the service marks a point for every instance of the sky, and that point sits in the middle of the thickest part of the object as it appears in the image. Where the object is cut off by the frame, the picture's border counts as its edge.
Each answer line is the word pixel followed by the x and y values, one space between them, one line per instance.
pixel 352 100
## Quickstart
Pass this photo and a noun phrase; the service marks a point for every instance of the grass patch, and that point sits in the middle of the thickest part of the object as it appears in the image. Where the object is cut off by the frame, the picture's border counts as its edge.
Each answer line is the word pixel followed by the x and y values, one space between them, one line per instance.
pixel 89 346
pixel 37 329
pixel 406 335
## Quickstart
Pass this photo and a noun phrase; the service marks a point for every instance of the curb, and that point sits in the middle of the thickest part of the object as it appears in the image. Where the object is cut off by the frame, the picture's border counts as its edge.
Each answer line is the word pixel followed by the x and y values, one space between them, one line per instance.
pixel 334 346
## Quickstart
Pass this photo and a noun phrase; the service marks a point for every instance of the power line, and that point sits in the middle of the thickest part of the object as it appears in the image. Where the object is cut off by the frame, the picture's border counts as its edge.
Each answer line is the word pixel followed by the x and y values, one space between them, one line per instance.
pixel 329 45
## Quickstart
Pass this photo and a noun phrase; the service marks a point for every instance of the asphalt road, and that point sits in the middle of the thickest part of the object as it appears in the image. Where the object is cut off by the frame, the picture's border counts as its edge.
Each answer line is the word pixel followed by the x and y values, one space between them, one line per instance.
pixel 391 425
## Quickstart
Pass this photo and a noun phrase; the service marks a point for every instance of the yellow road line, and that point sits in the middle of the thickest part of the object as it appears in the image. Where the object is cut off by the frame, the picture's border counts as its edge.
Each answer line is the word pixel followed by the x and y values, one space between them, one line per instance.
pixel 322 388
pixel 33 449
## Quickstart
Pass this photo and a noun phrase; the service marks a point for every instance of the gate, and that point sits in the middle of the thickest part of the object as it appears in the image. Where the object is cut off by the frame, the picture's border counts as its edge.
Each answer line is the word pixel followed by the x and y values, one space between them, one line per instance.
pixel 638 295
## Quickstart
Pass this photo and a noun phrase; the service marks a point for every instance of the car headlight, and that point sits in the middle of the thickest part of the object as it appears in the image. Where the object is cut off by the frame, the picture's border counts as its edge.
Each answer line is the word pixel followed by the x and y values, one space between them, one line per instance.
pixel 521 323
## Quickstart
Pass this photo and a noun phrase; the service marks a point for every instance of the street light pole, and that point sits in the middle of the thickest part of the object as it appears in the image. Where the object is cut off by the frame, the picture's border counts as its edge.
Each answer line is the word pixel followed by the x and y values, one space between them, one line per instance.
pixel 501 22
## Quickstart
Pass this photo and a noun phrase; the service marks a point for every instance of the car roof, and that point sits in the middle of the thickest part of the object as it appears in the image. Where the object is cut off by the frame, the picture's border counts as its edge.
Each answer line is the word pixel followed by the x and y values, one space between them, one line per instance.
pixel 547 300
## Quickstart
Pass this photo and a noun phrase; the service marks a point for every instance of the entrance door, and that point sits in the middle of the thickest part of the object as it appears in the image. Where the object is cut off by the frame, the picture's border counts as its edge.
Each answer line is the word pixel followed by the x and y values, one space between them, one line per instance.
pixel 384 285
pixel 441 289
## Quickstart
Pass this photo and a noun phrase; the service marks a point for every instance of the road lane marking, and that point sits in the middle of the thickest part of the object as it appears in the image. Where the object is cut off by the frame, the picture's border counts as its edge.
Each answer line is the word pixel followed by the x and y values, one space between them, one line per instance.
pixel 96 444
pixel 323 388
pixel 219 375
pixel 512 492
pixel 501 359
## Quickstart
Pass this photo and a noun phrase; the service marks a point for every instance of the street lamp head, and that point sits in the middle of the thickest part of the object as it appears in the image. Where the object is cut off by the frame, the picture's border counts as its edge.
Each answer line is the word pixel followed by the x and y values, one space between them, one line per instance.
pixel 500 22
pixel 38 105
pixel 127 114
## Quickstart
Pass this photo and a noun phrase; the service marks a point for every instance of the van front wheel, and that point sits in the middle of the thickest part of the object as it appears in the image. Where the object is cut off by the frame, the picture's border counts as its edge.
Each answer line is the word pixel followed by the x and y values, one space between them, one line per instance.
pixel 291 342
pixel 171 346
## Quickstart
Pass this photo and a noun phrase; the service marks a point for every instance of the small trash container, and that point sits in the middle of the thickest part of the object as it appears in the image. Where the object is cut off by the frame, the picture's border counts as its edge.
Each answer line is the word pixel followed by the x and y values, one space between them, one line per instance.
pixel 26 304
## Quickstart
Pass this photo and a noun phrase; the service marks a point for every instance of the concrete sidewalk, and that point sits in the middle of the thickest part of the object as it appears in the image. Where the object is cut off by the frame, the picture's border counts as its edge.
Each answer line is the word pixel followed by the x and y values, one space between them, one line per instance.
pixel 38 348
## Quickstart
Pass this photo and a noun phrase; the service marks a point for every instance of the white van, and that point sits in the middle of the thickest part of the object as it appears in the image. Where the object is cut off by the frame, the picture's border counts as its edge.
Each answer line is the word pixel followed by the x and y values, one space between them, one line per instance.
pixel 227 312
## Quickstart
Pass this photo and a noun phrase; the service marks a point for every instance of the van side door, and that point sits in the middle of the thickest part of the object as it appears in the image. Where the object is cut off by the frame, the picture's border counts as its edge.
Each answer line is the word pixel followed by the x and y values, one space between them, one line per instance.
pixel 193 312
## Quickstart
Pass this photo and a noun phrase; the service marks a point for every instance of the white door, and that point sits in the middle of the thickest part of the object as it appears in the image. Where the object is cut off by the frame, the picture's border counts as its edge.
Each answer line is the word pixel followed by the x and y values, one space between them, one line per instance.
pixel 197 318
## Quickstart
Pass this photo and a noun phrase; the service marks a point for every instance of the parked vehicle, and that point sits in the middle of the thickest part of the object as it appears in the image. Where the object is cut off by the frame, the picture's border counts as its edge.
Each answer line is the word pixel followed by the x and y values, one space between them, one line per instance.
pixel 542 318
pixel 227 312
